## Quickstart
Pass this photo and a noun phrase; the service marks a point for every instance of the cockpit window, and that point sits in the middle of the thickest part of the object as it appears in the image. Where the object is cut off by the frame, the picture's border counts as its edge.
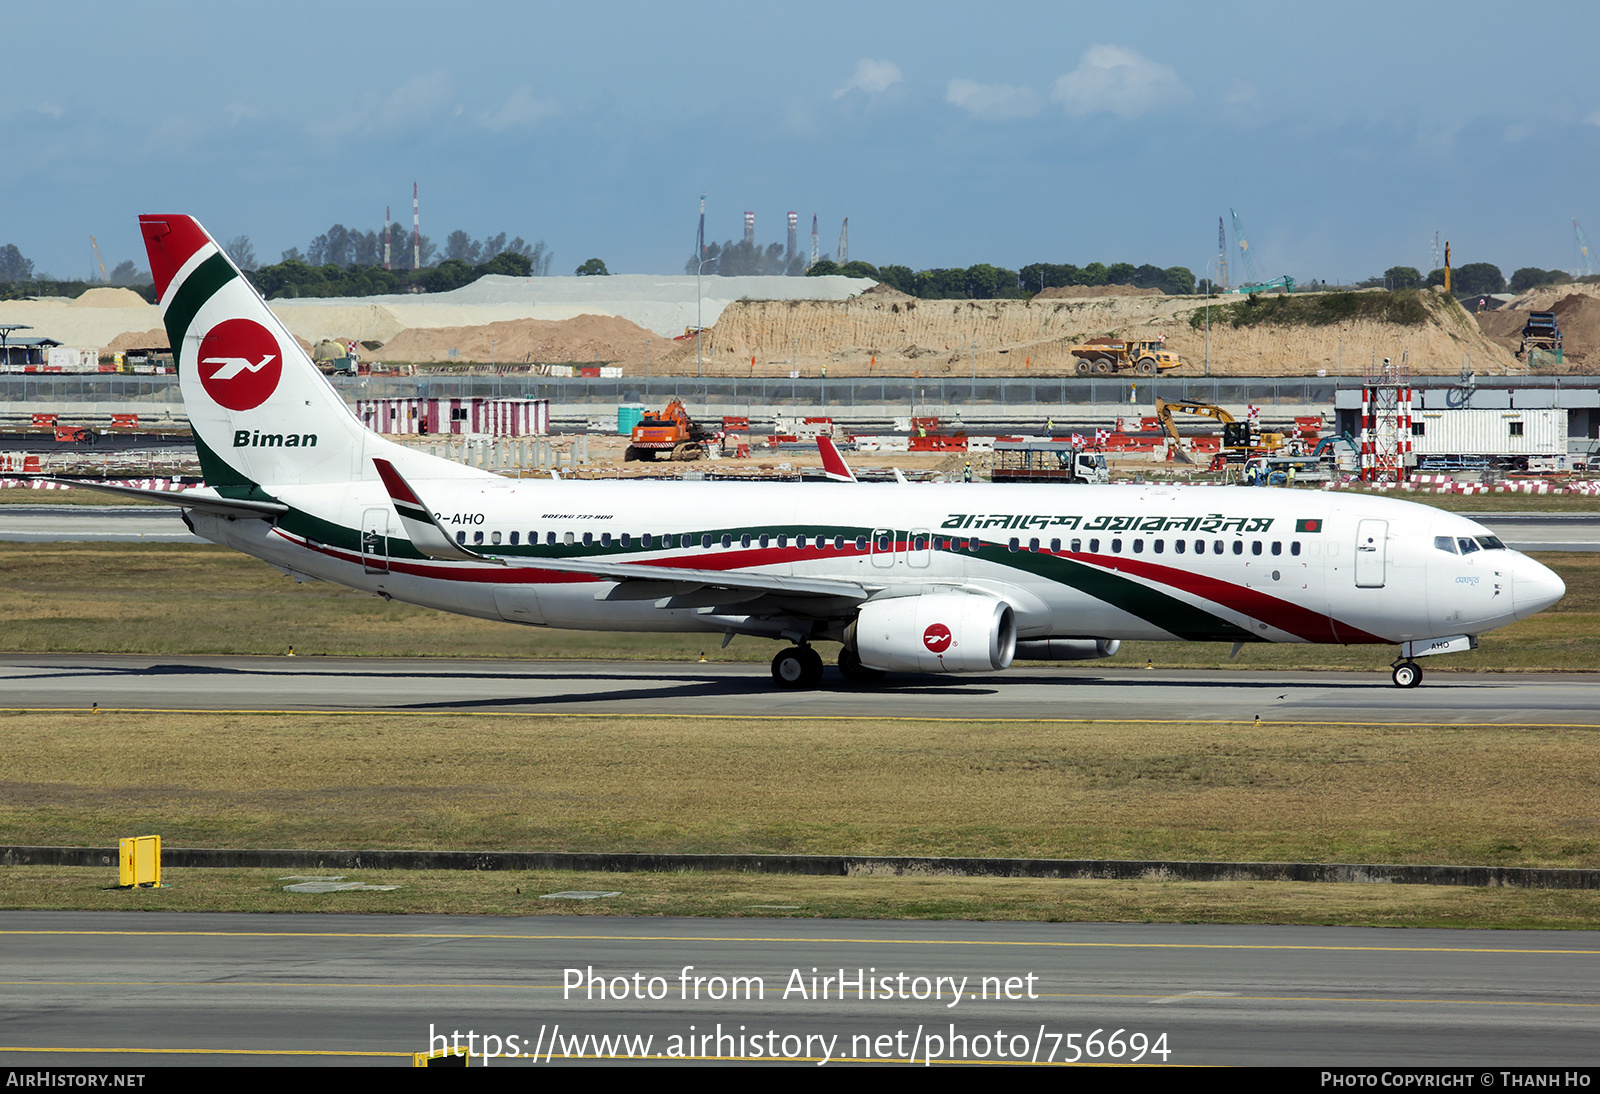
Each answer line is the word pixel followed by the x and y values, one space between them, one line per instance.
pixel 1490 543
pixel 1445 543
pixel 1467 544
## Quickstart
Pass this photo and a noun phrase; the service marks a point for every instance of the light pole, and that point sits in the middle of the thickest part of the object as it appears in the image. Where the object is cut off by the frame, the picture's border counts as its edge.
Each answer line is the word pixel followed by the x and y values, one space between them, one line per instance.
pixel 699 322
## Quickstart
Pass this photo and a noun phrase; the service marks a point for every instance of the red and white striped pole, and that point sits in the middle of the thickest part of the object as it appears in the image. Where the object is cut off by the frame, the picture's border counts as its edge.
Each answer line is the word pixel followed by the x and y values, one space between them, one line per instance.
pixel 416 231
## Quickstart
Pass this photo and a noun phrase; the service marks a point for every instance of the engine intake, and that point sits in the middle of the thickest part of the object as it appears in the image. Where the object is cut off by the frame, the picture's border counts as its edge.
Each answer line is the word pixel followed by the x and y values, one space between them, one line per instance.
pixel 935 632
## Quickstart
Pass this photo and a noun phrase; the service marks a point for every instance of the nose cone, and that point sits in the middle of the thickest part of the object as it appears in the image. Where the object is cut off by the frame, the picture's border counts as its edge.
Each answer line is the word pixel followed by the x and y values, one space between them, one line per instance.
pixel 1534 587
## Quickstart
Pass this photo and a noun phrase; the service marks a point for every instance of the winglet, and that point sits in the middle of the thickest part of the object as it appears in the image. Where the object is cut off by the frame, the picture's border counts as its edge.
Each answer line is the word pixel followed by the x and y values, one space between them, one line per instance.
pixel 425 533
pixel 833 464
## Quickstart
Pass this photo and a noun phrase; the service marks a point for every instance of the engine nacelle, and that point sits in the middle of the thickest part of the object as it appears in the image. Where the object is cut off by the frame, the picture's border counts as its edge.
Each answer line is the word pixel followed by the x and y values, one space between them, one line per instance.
pixel 935 632
pixel 1066 649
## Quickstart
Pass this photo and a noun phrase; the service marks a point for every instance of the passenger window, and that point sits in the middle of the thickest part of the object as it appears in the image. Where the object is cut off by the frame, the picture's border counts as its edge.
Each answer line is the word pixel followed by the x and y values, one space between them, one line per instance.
pixel 1277 547
pixel 1033 544
pixel 886 543
pixel 1013 545
pixel 727 541
pixel 1199 546
pixel 1116 546
pixel 1094 546
pixel 861 542
pixel 1255 547
pixel 1055 545
pixel 1138 546
pixel 765 540
pixel 461 538
pixel 1178 545
pixel 1238 546
pixel 1445 543
pixel 1294 548
pixel 800 542
pixel 1077 545
pixel 588 539
pixel 1160 546
pixel 1216 547
pixel 605 539
pixel 1466 544
pixel 783 541
pixel 646 540
pixel 744 541
pixel 705 542
pixel 494 537
pixel 514 536
pixel 626 539
pixel 920 543
pixel 477 537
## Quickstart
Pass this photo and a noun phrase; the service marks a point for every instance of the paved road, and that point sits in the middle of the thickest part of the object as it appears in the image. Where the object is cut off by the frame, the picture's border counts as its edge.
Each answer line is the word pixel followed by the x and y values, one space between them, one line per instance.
pixel 331 989
pixel 687 689
pixel 93 524
pixel 131 524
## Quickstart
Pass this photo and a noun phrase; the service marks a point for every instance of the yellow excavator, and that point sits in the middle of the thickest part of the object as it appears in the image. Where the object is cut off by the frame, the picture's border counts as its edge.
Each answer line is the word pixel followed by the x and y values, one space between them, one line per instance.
pixel 1240 440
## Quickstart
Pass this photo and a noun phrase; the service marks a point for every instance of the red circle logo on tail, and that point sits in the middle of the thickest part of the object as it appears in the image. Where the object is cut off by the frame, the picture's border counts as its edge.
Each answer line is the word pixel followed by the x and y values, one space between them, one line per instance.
pixel 240 363
pixel 936 638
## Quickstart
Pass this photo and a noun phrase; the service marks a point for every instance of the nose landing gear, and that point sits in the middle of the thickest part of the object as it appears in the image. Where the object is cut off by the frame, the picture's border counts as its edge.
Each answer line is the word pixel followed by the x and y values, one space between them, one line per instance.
pixel 1407 674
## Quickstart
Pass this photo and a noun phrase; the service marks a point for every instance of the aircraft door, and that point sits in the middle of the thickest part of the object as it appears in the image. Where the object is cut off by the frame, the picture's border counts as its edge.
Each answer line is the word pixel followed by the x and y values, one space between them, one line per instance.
pixel 375 541
pixel 919 547
pixel 1371 546
pixel 882 546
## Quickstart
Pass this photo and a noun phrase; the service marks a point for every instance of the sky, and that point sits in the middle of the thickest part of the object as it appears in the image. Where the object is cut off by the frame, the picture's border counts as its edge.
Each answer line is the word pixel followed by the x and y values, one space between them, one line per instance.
pixel 1344 135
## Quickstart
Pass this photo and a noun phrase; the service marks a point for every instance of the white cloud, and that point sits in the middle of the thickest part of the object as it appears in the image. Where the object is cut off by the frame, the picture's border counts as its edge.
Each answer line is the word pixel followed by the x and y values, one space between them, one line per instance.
pixel 871 77
pixel 414 101
pixel 51 110
pixel 1113 80
pixel 519 109
pixel 992 102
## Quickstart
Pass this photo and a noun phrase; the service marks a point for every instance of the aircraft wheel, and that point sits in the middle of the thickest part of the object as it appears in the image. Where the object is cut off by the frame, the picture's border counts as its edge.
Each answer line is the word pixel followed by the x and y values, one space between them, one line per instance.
pixel 854 671
pixel 797 667
pixel 1407 674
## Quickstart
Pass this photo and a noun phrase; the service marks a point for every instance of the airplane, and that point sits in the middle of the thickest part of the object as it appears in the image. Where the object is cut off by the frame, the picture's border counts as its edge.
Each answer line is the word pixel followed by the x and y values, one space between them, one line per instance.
pixel 924 578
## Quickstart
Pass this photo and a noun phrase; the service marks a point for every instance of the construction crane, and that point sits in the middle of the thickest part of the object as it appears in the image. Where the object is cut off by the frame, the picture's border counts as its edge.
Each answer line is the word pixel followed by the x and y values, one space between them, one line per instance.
pixel 102 262
pixel 1251 274
pixel 1583 249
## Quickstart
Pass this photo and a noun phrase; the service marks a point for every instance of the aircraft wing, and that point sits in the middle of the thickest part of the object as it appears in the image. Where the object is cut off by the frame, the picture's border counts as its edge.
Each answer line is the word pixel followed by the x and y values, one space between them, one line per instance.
pixel 653 581
pixel 188 499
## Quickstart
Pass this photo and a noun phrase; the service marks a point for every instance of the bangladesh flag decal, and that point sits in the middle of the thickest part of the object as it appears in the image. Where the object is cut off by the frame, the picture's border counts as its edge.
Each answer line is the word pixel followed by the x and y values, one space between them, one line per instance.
pixel 1308 526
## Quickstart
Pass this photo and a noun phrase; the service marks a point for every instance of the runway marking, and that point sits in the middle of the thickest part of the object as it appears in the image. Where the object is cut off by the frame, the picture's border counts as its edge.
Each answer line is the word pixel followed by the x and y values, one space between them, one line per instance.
pixel 723 939
pixel 212 1051
pixel 789 718
pixel 1186 997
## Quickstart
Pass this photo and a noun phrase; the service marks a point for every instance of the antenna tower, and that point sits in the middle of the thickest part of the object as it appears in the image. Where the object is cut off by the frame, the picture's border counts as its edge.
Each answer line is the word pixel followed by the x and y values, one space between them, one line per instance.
pixel 416 230
pixel 1222 254
pixel 1386 422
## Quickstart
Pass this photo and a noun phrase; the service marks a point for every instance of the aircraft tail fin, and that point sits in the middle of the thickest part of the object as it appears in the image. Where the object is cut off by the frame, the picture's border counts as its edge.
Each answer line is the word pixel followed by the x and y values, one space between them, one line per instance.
pixel 833 464
pixel 262 414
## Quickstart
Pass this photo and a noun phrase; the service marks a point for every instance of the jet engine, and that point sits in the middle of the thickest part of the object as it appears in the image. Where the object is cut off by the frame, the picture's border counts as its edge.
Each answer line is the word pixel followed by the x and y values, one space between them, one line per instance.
pixel 935 632
pixel 1066 649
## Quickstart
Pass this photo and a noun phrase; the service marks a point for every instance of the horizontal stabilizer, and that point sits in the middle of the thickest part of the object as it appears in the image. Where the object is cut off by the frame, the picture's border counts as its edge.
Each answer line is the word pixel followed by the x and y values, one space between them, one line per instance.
pixel 202 499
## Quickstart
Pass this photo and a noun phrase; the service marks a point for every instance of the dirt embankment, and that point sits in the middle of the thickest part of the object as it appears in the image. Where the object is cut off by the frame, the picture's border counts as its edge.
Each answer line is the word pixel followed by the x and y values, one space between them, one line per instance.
pixel 1577 312
pixel 519 341
pixel 894 334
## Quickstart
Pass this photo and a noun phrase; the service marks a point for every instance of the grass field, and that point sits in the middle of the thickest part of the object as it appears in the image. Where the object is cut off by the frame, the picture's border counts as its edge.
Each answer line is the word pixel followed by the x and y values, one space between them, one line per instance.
pixel 1449 794
pixel 197 599
pixel 514 893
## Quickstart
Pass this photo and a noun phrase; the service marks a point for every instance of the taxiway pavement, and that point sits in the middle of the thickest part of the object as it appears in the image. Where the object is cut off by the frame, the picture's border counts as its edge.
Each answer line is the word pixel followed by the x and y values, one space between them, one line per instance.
pixel 1084 690
pixel 367 989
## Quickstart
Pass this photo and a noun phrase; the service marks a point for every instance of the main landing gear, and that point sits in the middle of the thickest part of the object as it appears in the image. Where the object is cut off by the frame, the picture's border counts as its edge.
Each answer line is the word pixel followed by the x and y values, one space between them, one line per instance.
pixel 1407 674
pixel 797 667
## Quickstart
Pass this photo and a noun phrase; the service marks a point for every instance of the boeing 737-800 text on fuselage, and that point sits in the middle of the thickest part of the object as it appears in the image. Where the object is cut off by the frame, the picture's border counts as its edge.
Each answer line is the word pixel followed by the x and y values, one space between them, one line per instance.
pixel 913 578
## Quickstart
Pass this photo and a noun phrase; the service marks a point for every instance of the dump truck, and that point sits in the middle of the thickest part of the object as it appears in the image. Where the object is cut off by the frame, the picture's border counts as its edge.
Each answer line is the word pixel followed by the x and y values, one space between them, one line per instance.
pixel 670 434
pixel 1104 356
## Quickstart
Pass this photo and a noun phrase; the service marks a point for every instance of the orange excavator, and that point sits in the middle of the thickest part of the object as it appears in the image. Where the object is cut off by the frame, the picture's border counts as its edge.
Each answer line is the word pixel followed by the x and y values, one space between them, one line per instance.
pixel 671 432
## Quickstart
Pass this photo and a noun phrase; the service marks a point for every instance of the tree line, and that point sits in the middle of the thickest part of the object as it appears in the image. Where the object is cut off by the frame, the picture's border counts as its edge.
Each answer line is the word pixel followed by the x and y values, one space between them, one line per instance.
pixel 988 282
